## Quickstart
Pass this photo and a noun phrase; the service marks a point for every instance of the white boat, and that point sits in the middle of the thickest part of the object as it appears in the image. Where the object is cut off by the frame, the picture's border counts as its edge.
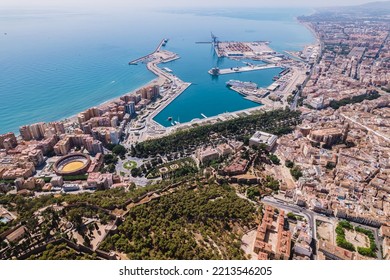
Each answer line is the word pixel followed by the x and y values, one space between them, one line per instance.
pixel 166 69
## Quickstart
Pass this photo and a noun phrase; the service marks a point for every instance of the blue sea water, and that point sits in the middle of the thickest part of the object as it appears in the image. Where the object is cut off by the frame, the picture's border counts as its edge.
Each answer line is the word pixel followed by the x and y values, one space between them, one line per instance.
pixel 54 64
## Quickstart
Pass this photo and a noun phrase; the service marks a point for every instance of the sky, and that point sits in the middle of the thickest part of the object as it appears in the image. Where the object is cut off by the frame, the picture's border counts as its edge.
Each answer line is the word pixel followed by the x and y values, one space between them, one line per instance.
pixel 97 4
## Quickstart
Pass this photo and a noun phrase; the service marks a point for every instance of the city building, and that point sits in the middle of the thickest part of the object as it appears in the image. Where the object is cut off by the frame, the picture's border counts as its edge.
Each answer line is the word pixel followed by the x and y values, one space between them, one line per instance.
pixel 8 141
pixel 263 138
pixel 205 155
pixel 130 108
pixel 272 240
pixel 333 252
pixel 97 180
pixel 70 187
pixel 57 181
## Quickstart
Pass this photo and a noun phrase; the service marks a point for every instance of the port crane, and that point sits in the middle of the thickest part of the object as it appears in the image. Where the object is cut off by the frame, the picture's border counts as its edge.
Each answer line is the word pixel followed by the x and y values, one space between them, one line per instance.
pixel 214 40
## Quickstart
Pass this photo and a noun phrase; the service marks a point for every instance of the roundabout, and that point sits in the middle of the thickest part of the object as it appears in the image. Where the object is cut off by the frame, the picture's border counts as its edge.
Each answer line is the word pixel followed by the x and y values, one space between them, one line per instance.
pixel 129 165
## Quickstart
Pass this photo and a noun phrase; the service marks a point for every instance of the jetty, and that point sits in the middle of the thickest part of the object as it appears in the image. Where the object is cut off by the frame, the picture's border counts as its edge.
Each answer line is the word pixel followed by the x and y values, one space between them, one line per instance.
pixel 145 57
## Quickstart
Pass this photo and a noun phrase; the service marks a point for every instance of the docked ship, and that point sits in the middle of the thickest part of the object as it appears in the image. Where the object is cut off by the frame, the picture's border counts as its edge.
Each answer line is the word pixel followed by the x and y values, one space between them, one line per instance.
pixel 240 84
pixel 214 71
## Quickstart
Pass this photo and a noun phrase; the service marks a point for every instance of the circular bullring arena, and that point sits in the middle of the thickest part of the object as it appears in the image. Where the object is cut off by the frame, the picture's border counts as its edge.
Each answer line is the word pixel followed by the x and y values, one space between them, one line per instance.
pixel 72 164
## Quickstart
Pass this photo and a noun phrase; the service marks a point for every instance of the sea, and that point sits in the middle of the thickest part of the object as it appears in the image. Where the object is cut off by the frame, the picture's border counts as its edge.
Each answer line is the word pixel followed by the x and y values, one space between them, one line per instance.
pixel 56 63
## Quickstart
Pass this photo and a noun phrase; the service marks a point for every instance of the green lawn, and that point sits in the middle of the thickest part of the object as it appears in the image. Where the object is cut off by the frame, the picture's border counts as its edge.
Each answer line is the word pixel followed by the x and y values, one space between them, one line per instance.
pixel 130 165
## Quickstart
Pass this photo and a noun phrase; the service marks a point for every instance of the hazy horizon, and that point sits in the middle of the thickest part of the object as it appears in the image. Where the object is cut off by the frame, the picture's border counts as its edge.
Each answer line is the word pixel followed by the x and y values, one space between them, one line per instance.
pixel 107 4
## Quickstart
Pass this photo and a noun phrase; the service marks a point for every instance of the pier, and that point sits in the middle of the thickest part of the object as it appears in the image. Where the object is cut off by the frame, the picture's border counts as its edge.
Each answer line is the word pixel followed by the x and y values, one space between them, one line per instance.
pixel 204 116
pixel 138 60
pixel 244 69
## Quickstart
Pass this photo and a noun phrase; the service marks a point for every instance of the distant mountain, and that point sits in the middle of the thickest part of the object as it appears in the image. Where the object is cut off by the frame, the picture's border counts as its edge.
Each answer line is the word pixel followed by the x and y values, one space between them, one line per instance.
pixel 375 5
pixel 371 9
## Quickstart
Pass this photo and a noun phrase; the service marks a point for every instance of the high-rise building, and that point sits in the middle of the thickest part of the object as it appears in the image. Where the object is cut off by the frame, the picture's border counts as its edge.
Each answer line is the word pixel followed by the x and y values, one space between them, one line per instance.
pixel 114 121
pixel 25 133
pixel 37 130
pixel 144 93
pixel 49 132
pixel 36 157
pixel 97 147
pixel 114 138
pixel 58 126
pixel 63 146
pixel 93 146
pixel 156 90
pixel 130 108
pixel 8 141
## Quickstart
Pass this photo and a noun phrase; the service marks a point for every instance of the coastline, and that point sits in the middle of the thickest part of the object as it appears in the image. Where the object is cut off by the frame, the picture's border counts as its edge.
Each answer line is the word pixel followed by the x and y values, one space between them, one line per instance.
pixel 73 118
pixel 312 31
pixel 107 102
pixel 150 66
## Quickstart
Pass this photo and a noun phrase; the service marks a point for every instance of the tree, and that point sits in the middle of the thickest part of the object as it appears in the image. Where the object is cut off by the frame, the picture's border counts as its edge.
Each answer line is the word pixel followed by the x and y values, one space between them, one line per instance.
pixel 110 146
pixel 111 168
pixel 252 193
pixel 119 150
pixel 291 216
pixel 296 172
pixel 135 172
pixel 133 152
pixel 289 164
pixel 275 160
pixel 110 158
pixel 271 183
pixel 275 122
pixel 330 165
pixel 262 147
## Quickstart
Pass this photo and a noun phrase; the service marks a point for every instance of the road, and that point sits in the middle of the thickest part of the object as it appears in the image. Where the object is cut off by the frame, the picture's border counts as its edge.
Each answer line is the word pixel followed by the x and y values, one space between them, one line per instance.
pixel 376 235
pixel 139 181
pixel 366 127
pixel 294 104
pixel 310 216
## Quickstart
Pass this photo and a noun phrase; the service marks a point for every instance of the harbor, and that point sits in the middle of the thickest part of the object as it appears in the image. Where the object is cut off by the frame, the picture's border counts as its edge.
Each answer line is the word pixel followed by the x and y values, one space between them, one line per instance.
pixel 105 65
pixel 285 75
pixel 264 97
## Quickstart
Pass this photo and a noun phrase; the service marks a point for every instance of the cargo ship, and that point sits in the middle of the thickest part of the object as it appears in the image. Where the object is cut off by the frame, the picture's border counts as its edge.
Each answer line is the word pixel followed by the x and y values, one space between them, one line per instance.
pixel 240 84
